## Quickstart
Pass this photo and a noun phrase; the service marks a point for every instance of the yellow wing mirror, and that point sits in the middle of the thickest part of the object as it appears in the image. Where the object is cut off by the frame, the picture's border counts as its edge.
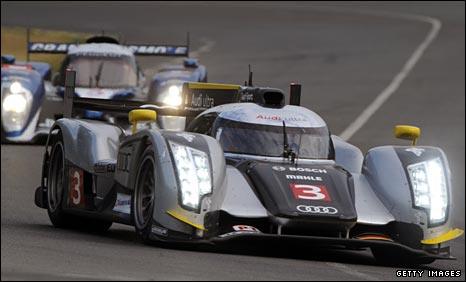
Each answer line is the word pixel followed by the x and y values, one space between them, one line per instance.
pixel 408 132
pixel 138 115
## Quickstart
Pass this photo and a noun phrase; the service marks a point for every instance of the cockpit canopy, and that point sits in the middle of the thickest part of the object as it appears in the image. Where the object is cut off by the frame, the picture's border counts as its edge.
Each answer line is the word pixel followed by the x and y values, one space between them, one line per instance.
pixel 104 71
pixel 250 129
pixel 266 140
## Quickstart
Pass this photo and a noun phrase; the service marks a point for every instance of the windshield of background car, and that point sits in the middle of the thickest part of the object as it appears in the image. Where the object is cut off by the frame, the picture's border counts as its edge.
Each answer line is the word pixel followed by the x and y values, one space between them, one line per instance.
pixel 266 140
pixel 104 71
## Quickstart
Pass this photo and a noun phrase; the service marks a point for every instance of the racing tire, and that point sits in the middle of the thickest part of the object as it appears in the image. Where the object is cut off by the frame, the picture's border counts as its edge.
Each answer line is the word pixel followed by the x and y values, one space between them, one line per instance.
pixel 143 203
pixel 55 185
pixel 393 258
pixel 55 196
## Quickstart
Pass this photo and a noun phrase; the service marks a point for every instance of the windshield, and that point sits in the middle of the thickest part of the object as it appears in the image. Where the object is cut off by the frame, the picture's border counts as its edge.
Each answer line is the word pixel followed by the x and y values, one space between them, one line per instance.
pixel 104 72
pixel 266 140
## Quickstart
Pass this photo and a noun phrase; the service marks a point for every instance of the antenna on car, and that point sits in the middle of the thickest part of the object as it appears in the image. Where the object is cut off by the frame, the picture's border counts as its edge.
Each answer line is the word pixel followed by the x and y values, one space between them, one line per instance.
pixel 250 76
pixel 288 152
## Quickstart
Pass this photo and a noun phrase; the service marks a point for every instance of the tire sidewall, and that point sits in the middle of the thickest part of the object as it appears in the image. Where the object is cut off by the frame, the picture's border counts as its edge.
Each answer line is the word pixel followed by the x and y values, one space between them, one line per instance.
pixel 143 232
pixel 57 216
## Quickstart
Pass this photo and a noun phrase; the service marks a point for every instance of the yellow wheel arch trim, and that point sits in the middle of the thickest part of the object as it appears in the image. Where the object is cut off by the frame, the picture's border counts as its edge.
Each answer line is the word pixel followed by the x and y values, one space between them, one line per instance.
pixel 450 235
pixel 219 86
pixel 141 115
pixel 185 220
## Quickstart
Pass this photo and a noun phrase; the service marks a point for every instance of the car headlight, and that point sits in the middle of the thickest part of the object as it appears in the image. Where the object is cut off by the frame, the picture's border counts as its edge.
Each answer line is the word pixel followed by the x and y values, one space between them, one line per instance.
pixel 430 188
pixel 193 170
pixel 16 105
pixel 173 96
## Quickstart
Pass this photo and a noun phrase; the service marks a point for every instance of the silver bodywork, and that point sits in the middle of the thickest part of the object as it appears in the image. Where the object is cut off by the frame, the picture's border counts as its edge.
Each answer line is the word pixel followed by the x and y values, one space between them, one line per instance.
pixel 371 193
pixel 382 193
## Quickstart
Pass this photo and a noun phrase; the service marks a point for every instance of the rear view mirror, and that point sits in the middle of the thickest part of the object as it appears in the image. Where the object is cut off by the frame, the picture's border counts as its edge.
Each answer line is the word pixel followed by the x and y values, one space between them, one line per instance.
pixel 408 132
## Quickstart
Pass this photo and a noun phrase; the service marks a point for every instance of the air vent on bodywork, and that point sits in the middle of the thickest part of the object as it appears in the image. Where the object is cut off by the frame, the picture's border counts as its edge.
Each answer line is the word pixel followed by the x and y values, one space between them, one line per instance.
pixel 274 99
pixel 266 97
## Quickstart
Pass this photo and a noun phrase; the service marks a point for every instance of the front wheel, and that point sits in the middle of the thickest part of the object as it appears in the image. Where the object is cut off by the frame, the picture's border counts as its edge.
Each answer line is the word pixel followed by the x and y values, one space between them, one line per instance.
pixel 144 197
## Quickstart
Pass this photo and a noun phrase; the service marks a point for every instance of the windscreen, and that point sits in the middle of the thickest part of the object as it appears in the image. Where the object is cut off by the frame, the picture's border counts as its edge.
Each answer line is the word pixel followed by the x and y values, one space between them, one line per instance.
pixel 104 71
pixel 266 140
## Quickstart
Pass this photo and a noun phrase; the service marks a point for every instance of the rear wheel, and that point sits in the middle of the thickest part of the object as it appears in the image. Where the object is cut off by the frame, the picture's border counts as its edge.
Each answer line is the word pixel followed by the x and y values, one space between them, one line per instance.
pixel 55 196
pixel 144 197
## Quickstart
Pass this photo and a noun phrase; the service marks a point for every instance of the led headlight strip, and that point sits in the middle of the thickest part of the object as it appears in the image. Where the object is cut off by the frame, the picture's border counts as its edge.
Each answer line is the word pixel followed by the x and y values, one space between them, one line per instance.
pixel 193 171
pixel 430 188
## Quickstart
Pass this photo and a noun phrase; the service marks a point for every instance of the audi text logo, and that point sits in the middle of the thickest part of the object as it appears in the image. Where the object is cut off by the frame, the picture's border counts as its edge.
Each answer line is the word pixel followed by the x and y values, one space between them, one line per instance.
pixel 316 209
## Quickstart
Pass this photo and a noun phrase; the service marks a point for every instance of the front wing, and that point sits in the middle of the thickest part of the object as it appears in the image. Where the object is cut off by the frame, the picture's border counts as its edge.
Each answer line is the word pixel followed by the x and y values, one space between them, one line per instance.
pixel 257 239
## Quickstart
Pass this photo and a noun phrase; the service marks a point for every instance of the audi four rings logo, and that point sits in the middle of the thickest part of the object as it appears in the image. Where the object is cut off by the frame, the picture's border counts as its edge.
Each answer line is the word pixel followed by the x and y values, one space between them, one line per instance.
pixel 316 209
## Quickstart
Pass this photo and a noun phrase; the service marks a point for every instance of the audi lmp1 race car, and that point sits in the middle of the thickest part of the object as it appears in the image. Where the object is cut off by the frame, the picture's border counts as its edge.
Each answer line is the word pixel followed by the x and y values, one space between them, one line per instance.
pixel 28 100
pixel 248 168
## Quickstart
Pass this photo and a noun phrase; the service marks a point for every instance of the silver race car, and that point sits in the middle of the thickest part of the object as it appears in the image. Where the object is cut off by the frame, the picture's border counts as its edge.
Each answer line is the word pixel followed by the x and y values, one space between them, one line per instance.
pixel 248 168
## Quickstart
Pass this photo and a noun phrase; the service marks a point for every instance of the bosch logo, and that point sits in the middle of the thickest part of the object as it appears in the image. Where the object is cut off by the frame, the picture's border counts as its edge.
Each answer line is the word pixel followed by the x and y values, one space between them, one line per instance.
pixel 299 169
pixel 316 209
pixel 279 168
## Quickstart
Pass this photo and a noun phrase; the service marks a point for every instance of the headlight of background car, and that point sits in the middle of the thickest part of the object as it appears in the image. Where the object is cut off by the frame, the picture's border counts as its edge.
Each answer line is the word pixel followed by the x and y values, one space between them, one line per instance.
pixel 430 188
pixel 193 170
pixel 16 105
pixel 172 96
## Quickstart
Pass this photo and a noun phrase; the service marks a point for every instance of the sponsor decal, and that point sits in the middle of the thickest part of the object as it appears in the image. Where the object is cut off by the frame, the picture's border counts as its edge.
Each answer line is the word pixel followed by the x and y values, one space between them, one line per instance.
pixel 241 229
pixel 16 67
pixel 158 50
pixel 303 177
pixel 279 168
pixel 187 136
pixel 103 167
pixel 417 151
pixel 307 169
pixel 202 101
pixel 247 97
pixel 317 209
pixel 159 230
pixel 76 192
pixel 299 169
pixel 310 192
pixel 168 50
pixel 245 228
pixel 50 47
pixel 123 203
pixel 279 118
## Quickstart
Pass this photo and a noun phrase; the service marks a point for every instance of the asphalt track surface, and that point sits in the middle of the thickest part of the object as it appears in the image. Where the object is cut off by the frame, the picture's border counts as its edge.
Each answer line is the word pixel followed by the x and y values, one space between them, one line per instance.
pixel 344 55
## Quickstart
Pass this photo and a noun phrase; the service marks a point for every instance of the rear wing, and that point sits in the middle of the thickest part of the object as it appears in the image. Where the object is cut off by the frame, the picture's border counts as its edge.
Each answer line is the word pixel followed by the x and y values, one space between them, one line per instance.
pixel 137 49
pixel 196 98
